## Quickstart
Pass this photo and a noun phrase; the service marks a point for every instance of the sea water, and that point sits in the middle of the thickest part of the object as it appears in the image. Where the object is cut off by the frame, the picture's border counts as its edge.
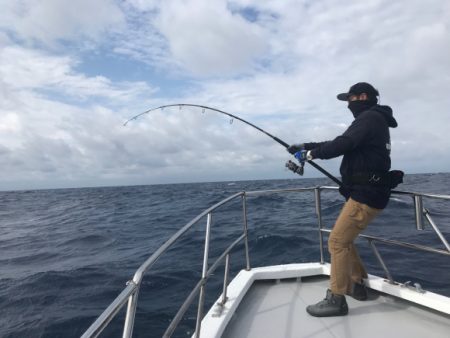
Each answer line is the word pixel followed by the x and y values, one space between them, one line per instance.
pixel 65 254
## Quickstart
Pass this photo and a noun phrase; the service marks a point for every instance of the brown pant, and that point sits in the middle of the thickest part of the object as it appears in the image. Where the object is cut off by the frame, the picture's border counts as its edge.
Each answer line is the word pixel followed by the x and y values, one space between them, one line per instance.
pixel 346 265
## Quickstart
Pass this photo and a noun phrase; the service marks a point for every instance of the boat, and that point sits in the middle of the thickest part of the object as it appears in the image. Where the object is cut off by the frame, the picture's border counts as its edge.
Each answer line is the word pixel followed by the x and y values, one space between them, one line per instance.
pixel 270 301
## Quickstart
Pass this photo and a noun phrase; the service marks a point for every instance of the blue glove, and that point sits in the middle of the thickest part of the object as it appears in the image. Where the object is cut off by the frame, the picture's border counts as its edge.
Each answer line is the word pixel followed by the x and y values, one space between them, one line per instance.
pixel 296 148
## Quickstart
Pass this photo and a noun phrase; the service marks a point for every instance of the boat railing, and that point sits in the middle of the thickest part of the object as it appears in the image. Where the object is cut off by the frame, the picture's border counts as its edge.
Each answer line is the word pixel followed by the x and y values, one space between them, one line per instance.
pixel 130 293
pixel 421 213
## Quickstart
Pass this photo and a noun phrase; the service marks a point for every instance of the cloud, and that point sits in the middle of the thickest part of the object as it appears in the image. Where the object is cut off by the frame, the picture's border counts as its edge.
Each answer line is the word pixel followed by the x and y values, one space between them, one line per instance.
pixel 55 124
pixel 206 38
pixel 50 21
pixel 193 38
pixel 145 5
pixel 29 69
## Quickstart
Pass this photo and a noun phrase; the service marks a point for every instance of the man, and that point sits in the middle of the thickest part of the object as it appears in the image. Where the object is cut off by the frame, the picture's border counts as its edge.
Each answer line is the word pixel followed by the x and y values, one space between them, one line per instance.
pixel 366 187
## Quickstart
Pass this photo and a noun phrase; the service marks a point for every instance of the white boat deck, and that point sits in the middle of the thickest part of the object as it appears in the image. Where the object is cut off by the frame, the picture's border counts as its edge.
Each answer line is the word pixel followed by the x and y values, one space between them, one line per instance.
pixel 277 309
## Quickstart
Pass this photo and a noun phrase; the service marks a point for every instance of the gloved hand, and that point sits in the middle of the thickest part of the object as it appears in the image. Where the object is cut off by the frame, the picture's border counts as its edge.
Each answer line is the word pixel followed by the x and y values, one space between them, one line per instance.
pixel 294 148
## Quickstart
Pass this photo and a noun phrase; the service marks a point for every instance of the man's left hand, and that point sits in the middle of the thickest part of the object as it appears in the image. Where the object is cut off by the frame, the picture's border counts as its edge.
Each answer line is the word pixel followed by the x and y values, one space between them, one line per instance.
pixel 295 148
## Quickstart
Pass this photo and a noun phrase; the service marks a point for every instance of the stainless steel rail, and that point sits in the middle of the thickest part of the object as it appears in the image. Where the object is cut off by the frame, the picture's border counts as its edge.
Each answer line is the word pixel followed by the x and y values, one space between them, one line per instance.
pixel 99 325
pixel 420 211
pixel 184 307
pixel 130 293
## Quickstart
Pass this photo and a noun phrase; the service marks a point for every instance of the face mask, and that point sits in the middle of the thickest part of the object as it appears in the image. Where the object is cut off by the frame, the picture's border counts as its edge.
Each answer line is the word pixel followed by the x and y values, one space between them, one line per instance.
pixel 357 107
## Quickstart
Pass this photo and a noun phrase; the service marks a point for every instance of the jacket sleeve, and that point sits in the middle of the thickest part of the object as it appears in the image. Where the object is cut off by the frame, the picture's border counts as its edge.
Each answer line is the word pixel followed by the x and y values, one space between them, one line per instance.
pixel 331 149
pixel 313 145
pixel 349 140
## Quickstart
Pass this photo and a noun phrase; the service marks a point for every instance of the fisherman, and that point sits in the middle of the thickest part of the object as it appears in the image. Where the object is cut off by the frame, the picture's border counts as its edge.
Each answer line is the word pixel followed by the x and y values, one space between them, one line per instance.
pixel 366 187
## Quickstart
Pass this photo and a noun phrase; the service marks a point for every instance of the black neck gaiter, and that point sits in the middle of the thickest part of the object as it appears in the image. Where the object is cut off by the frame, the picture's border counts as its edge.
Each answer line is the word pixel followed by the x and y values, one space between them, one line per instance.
pixel 357 107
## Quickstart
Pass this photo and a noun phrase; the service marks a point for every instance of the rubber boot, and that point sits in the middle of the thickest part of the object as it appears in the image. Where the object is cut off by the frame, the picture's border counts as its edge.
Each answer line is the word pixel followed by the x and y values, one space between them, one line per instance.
pixel 359 291
pixel 332 305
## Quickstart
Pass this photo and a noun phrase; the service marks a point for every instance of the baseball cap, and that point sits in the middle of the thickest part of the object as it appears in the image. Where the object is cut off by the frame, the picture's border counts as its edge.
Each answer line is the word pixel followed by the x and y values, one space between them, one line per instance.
pixel 358 89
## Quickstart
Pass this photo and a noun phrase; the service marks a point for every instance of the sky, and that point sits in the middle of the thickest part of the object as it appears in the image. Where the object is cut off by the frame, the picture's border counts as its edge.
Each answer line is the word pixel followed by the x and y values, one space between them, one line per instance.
pixel 72 72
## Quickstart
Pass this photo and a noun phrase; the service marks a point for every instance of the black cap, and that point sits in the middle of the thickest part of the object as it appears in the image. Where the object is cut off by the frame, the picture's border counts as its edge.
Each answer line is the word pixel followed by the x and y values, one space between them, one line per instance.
pixel 358 89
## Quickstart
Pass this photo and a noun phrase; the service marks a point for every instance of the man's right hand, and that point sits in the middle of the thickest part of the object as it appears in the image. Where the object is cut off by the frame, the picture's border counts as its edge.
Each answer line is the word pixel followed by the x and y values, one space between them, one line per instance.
pixel 296 148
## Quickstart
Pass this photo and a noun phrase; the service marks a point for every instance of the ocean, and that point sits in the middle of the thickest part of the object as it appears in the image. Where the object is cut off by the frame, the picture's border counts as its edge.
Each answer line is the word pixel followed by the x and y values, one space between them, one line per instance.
pixel 65 254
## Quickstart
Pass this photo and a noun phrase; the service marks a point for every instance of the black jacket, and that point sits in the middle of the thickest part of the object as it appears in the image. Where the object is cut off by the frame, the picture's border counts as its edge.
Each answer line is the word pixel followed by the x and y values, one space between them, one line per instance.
pixel 366 147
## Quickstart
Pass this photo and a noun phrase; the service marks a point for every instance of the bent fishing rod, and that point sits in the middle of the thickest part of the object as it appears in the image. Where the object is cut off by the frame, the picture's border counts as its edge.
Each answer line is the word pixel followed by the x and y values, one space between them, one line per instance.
pixel 284 144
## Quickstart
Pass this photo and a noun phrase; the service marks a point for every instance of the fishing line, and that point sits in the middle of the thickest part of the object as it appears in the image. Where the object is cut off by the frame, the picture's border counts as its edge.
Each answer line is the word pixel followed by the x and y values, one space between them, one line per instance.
pixel 234 117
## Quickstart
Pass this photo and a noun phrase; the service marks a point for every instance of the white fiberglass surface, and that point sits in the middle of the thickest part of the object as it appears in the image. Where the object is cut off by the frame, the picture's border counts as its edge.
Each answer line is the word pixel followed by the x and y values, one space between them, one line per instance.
pixel 277 309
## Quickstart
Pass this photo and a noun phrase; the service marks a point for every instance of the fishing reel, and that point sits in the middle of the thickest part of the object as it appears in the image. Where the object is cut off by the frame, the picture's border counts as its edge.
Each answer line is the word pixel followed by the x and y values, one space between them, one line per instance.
pixel 297 169
pixel 294 167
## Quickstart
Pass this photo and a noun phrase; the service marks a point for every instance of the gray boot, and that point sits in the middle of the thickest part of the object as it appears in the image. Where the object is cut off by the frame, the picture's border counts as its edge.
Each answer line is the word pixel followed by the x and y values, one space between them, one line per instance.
pixel 359 291
pixel 332 305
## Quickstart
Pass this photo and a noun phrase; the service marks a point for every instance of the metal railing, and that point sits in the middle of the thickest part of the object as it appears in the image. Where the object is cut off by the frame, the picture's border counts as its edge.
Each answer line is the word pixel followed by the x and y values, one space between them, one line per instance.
pixel 130 294
pixel 420 213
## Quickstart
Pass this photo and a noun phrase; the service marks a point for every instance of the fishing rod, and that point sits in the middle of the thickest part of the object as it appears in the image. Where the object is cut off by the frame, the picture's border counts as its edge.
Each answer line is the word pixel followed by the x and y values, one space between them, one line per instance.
pixel 284 144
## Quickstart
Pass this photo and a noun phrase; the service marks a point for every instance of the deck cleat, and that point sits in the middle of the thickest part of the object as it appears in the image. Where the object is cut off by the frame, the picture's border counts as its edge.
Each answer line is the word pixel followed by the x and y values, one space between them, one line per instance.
pixel 416 286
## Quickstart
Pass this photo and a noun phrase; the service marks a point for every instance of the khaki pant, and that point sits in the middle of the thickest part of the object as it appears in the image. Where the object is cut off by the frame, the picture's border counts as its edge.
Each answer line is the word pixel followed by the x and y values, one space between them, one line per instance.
pixel 346 265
